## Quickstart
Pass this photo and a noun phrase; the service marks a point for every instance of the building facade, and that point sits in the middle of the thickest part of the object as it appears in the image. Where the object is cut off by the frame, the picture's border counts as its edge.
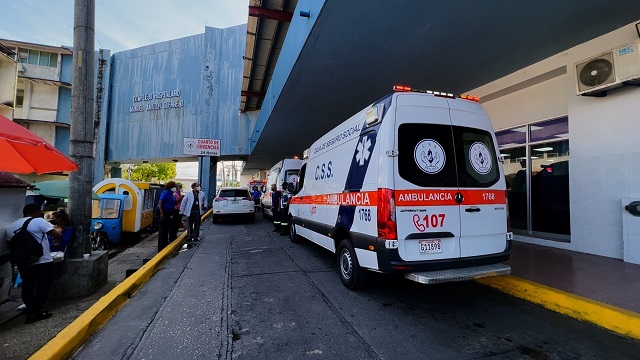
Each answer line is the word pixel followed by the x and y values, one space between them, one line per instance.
pixel 572 160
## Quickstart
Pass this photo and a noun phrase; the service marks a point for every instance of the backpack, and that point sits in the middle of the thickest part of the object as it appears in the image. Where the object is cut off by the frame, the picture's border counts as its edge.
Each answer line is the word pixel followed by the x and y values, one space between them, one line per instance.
pixel 24 248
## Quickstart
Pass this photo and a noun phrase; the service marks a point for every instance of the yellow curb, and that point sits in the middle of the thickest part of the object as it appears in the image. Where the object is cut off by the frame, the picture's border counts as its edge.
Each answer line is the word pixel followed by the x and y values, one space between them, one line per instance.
pixel 620 321
pixel 65 344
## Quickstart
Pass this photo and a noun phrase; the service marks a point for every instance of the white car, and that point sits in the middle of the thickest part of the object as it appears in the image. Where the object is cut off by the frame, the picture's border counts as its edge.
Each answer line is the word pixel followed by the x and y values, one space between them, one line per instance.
pixel 233 202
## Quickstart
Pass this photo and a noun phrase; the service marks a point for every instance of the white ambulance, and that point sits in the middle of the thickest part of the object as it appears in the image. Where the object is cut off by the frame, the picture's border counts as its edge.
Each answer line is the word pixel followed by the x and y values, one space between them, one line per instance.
pixel 411 184
pixel 284 170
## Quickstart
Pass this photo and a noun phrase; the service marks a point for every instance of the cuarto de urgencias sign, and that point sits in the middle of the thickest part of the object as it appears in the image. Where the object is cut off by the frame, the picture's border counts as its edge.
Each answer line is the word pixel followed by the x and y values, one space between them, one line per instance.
pixel 156 100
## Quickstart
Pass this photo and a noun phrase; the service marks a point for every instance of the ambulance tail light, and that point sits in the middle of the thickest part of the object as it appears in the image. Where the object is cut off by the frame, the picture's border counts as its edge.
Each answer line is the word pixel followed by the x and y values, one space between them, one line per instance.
pixel 218 199
pixel 387 228
pixel 506 197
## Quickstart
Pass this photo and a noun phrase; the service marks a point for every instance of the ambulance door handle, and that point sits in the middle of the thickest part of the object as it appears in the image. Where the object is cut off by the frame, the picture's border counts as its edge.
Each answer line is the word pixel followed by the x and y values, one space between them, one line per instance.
pixel 472 209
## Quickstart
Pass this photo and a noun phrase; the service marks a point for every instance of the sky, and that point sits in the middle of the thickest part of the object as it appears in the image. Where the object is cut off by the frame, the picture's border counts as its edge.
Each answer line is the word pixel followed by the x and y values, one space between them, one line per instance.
pixel 121 25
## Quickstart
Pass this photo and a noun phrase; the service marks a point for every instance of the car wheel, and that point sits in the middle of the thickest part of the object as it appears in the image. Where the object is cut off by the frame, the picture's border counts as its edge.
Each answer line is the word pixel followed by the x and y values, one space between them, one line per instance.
pixel 251 217
pixel 214 219
pixel 351 274
pixel 293 235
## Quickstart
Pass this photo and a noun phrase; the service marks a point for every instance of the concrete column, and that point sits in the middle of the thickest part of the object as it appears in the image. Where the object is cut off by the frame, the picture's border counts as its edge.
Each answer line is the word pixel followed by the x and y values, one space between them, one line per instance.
pixel 82 139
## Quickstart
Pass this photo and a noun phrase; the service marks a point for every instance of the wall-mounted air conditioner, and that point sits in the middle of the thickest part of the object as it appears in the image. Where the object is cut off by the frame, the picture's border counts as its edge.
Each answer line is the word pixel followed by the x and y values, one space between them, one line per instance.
pixel 608 70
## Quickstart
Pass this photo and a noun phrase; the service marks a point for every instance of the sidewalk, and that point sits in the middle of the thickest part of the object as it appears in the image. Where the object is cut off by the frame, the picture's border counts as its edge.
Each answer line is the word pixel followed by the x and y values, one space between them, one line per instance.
pixel 13 331
pixel 607 280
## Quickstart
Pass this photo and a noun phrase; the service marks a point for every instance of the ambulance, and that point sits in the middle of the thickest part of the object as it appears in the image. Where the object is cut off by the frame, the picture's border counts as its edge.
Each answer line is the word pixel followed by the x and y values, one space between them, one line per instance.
pixel 284 170
pixel 411 184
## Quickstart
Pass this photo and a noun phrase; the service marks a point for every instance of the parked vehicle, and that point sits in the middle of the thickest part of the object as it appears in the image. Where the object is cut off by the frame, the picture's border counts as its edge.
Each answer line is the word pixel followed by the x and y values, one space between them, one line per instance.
pixel 285 170
pixel 125 209
pixel 411 184
pixel 233 202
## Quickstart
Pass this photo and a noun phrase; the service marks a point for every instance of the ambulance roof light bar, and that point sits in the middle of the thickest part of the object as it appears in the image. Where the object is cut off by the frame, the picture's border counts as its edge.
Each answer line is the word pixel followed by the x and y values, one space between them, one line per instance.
pixel 400 88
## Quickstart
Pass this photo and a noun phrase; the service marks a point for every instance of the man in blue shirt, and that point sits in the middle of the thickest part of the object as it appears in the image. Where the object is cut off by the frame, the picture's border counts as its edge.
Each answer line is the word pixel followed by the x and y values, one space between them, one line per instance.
pixel 166 205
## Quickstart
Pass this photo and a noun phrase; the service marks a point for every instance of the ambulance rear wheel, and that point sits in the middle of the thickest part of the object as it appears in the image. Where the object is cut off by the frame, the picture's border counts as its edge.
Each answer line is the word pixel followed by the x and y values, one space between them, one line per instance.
pixel 351 274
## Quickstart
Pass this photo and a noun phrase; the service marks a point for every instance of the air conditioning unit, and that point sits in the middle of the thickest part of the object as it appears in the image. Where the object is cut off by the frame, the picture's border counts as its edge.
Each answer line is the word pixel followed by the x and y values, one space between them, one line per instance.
pixel 608 70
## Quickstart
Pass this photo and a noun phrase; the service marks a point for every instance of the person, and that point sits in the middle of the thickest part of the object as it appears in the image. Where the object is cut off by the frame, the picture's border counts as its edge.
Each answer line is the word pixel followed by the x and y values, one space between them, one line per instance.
pixel 36 277
pixel 61 222
pixel 193 206
pixel 166 205
pixel 177 219
pixel 275 207
pixel 284 209
pixel 256 196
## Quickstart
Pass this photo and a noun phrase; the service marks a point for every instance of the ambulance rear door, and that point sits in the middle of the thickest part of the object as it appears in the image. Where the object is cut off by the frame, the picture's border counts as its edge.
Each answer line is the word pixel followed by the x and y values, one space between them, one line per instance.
pixel 483 210
pixel 425 179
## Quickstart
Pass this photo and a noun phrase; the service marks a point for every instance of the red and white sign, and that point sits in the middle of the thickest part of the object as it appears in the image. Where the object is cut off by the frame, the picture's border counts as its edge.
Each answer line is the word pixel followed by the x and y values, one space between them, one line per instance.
pixel 201 147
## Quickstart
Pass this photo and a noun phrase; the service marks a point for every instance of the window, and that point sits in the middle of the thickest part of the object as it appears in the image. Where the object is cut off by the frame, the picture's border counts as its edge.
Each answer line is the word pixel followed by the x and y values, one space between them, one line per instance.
pixel 106 209
pixel 37 57
pixel 536 167
pixel 19 98
pixel 234 193
pixel 432 155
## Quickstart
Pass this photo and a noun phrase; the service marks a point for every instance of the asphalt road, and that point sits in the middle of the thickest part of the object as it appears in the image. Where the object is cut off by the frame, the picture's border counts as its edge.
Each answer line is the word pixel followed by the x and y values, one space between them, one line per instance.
pixel 247 293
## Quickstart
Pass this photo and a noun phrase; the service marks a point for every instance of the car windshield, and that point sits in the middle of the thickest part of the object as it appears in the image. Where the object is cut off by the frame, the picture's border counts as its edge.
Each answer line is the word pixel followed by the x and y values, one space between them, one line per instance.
pixel 229 193
pixel 105 209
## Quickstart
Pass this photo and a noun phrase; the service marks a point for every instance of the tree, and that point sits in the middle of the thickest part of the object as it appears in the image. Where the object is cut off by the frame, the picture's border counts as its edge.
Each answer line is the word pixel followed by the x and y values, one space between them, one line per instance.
pixel 155 172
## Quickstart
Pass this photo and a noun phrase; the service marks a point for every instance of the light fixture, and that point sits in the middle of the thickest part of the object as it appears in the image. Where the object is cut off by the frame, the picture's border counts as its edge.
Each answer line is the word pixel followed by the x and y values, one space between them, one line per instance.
pixel 543 149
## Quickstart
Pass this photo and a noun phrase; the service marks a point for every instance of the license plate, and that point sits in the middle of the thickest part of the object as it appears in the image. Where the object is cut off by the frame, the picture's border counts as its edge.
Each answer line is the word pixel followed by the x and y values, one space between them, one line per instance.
pixel 430 246
pixel 235 202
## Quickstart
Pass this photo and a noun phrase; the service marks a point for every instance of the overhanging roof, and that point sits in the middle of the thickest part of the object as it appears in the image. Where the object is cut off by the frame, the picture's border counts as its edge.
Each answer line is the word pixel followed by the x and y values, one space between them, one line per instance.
pixel 267 27
pixel 357 51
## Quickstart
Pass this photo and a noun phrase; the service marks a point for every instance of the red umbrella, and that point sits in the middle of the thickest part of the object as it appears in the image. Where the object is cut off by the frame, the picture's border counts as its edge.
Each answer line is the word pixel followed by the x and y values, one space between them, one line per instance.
pixel 23 152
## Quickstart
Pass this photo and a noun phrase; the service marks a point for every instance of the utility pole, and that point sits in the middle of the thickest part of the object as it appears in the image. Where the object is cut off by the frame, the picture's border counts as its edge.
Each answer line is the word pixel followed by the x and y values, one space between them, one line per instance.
pixel 82 126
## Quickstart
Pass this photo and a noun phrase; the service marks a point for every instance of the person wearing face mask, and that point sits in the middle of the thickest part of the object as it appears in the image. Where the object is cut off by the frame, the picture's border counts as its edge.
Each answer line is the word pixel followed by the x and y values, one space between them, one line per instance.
pixel 166 205
pixel 61 222
pixel 193 206
pixel 175 225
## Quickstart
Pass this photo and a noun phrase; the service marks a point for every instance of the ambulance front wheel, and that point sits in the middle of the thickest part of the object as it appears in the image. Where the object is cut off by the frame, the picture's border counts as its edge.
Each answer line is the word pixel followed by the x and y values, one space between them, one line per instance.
pixel 352 275
pixel 293 235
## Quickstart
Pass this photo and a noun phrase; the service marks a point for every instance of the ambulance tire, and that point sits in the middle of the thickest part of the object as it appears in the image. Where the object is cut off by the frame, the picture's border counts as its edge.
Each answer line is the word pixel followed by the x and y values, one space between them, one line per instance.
pixel 293 236
pixel 351 274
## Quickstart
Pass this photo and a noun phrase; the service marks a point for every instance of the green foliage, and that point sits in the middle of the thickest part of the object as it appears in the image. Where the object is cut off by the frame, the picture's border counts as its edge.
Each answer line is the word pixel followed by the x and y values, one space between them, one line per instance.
pixel 153 172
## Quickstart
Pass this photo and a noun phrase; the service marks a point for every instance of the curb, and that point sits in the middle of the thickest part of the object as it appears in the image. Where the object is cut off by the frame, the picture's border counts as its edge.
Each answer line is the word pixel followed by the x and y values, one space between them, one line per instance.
pixel 620 321
pixel 65 344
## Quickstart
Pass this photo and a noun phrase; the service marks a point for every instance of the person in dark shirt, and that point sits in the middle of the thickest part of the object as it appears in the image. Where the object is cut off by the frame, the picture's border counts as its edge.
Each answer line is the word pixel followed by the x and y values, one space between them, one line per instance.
pixel 166 205
pixel 275 207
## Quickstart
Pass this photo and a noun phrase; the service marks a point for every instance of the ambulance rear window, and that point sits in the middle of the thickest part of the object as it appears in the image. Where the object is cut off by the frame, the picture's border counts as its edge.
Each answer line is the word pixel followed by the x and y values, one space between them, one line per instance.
pixel 476 158
pixel 431 155
pixel 425 155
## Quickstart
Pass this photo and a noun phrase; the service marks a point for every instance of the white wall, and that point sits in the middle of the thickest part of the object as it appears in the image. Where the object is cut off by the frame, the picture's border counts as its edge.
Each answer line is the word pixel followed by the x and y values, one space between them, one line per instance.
pixel 604 138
